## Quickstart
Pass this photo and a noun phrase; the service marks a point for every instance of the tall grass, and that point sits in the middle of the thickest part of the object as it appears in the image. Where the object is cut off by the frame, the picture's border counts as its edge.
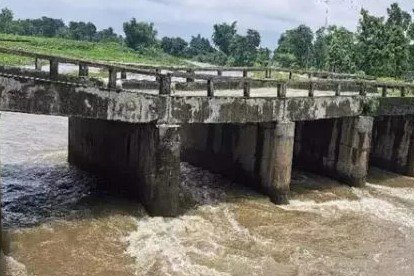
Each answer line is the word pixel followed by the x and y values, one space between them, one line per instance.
pixel 81 49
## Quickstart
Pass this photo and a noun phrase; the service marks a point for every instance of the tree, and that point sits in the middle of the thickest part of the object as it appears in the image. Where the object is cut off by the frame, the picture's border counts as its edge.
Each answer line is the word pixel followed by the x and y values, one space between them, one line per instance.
pixel 295 43
pixel 320 49
pixel 139 35
pixel 263 56
pixel 107 35
pixel 199 46
pixel 371 45
pixel 175 46
pixel 82 30
pixel 223 35
pixel 398 45
pixel 6 21
pixel 242 51
pixel 340 54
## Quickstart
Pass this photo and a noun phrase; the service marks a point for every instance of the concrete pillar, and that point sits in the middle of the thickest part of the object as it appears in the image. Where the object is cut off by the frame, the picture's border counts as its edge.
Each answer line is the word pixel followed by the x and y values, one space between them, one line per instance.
pixel 276 159
pixel 141 161
pixel 258 155
pixel 354 150
pixel 393 144
pixel 338 148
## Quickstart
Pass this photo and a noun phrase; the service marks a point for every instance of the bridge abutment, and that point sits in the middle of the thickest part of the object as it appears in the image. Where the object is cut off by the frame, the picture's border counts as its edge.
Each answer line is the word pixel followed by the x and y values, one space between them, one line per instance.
pixel 258 155
pixel 139 160
pixel 338 148
pixel 393 144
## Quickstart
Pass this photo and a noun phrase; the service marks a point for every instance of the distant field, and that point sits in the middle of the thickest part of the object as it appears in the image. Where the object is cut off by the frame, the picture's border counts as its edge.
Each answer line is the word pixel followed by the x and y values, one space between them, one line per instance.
pixel 81 49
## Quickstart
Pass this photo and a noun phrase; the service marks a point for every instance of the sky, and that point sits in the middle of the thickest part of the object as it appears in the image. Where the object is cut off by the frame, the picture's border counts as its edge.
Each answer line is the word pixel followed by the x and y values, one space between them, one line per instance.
pixel 185 18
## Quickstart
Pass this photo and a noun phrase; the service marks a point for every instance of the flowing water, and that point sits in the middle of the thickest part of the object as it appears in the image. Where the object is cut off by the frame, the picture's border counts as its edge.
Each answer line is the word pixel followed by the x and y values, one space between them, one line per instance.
pixel 57 223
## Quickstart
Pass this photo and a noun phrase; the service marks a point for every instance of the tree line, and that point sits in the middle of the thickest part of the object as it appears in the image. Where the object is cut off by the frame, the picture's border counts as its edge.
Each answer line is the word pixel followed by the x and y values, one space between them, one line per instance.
pixel 381 46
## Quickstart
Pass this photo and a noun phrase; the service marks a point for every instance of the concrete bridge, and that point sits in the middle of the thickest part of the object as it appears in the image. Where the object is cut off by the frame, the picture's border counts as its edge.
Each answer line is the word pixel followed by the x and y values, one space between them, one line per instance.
pixel 135 131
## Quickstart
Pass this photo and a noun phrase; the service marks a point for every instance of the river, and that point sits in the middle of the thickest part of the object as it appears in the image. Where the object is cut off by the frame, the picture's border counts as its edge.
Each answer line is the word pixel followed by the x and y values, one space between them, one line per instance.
pixel 57 223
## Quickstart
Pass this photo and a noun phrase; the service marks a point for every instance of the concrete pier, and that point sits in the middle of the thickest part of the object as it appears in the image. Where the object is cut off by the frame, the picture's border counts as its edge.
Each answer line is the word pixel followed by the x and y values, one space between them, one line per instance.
pixel 139 160
pixel 393 147
pixel 336 147
pixel 258 155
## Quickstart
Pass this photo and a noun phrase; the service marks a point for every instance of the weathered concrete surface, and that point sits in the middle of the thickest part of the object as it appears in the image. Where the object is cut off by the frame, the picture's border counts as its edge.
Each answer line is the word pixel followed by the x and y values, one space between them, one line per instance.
pixel 37 96
pixel 393 144
pixel 259 155
pixel 395 106
pixel 337 147
pixel 139 160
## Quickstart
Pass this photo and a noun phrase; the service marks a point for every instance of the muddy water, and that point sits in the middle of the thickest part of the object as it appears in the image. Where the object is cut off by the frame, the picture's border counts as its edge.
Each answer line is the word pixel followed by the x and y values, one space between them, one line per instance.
pixel 59 224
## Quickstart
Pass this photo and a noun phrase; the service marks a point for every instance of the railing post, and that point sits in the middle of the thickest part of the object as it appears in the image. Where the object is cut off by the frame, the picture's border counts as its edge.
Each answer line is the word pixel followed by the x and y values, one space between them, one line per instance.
pixel 310 75
pixel 210 88
pixel 403 91
pixel 165 84
pixel 123 75
pixel 83 70
pixel 219 73
pixel 245 73
pixel 338 89
pixel 384 91
pixel 268 73
pixel 363 89
pixel 246 89
pixel 54 69
pixel 311 89
pixel 157 72
pixel 112 78
pixel 38 64
pixel 290 75
pixel 191 72
pixel 281 90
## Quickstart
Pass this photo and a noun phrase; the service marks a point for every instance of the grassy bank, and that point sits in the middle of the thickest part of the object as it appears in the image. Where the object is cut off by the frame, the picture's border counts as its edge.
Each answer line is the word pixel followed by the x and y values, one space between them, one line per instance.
pixel 81 49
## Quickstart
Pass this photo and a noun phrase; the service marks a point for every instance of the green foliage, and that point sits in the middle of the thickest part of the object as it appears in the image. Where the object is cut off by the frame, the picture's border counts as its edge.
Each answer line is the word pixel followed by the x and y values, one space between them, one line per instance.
pixel 320 50
pixel 340 54
pixel 295 43
pixel 81 31
pixel 6 21
pixel 199 46
pixel 139 35
pixel 263 57
pixel 216 57
pixel 243 49
pixel 109 51
pixel 175 46
pixel 223 35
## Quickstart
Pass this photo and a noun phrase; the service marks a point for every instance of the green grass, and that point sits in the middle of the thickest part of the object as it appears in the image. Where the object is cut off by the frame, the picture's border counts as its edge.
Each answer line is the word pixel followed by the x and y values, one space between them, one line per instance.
pixel 109 52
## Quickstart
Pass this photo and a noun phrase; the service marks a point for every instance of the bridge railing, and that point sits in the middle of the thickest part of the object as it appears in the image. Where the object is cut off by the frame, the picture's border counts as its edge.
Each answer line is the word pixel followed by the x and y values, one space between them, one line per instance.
pixel 164 80
pixel 244 71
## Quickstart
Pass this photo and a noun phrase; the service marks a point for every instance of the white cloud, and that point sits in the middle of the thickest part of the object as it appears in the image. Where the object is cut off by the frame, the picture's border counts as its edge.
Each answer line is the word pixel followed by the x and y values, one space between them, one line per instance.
pixel 190 17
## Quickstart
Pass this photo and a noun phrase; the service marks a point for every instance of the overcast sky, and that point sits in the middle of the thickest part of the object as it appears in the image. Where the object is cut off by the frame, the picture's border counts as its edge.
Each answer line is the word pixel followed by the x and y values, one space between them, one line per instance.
pixel 190 17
